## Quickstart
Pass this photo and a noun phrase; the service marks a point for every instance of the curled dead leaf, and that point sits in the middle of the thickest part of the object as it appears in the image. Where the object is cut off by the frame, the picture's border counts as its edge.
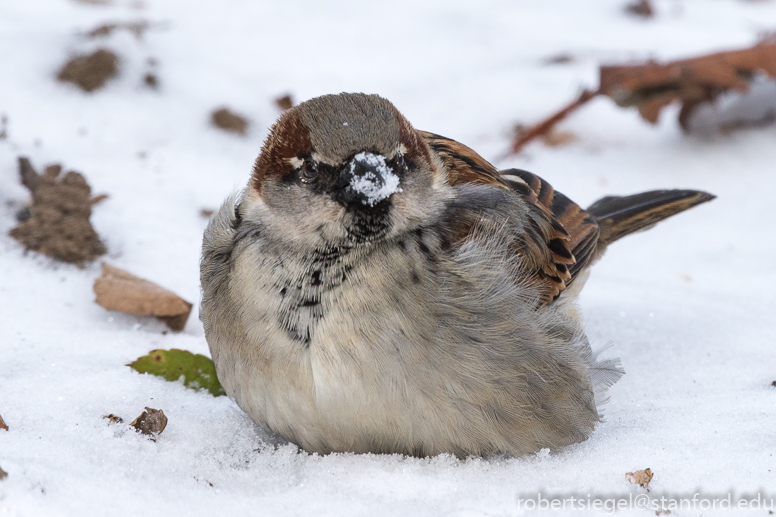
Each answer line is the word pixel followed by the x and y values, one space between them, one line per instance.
pixel 118 290
pixel 151 422
pixel 3 425
pixel 640 477
pixel 651 86
pixel 3 474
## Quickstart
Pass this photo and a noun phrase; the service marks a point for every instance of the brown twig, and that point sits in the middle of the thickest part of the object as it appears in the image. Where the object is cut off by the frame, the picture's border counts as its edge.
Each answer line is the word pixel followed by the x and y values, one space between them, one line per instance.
pixel 545 126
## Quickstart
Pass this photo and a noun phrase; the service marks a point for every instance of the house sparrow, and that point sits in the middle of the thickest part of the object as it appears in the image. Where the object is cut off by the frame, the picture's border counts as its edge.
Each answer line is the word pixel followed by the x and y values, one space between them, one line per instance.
pixel 381 289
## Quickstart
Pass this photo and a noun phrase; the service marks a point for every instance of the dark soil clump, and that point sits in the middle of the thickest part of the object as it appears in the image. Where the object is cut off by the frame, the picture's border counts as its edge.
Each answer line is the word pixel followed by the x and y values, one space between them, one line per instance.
pixel 229 121
pixel 286 102
pixel 90 71
pixel 58 223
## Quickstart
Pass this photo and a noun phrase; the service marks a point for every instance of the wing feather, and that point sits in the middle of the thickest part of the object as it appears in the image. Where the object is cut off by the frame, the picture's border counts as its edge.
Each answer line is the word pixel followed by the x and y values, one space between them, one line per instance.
pixel 563 237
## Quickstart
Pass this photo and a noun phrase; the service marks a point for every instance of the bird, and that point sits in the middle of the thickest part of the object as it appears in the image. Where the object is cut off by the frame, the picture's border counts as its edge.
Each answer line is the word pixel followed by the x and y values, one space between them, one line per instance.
pixel 380 289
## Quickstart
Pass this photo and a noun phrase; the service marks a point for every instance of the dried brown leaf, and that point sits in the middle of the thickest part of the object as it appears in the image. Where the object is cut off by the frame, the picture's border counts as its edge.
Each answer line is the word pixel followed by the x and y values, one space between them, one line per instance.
pixel 3 474
pixel 118 290
pixel 150 422
pixel 113 419
pixel 640 477
pixel 652 86
pixel 3 425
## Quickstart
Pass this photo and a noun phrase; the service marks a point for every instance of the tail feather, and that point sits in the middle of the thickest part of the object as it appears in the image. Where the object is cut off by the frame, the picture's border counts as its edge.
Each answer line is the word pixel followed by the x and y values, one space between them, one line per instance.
pixel 619 216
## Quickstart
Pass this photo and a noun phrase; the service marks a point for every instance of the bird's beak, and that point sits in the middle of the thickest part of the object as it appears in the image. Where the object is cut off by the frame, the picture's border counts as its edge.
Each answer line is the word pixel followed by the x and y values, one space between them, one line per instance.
pixel 367 180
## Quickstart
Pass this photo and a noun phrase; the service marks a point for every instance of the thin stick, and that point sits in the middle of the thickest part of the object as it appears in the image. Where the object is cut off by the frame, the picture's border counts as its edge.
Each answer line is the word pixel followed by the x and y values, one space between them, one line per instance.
pixel 545 126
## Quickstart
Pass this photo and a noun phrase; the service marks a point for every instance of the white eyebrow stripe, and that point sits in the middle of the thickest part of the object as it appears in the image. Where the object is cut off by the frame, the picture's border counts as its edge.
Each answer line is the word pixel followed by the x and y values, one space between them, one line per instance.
pixel 516 179
pixel 320 159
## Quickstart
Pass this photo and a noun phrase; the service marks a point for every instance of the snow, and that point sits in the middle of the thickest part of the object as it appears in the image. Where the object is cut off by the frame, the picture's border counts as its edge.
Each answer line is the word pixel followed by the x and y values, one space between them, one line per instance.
pixel 373 188
pixel 688 306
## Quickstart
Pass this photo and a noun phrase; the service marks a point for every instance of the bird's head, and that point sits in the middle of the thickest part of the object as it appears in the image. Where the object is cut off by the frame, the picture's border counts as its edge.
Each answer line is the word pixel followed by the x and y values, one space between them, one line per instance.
pixel 343 169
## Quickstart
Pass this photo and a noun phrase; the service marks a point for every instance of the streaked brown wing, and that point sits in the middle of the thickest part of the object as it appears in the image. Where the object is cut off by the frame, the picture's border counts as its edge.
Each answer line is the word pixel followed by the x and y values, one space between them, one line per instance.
pixel 563 238
pixel 462 163
pixel 581 226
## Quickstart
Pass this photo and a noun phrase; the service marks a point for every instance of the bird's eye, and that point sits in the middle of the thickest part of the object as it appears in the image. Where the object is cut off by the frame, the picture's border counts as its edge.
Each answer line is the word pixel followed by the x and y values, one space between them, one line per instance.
pixel 309 172
pixel 401 163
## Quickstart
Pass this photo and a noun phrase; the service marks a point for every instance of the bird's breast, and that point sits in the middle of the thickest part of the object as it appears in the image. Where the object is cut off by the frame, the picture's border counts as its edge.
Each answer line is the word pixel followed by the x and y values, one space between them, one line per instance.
pixel 329 340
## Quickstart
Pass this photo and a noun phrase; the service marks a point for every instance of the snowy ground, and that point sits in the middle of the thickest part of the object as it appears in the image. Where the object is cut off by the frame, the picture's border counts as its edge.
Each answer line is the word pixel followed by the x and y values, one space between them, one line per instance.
pixel 689 306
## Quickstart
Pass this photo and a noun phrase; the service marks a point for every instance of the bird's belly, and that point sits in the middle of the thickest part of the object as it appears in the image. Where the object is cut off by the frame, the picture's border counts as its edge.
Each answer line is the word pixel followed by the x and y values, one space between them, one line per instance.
pixel 383 369
pixel 345 390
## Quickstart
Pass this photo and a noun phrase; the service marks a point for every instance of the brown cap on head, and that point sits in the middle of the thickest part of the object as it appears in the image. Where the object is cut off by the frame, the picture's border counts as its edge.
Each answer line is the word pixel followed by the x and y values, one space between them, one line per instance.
pixel 341 125
pixel 335 127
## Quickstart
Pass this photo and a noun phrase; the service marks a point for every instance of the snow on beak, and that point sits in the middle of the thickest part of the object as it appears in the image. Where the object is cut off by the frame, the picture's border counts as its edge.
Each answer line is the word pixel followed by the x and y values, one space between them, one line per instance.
pixel 369 179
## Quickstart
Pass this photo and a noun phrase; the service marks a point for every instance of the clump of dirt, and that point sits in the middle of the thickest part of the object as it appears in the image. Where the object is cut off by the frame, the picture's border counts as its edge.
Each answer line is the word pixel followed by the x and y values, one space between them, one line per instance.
pixel 559 59
pixel 286 102
pixel 58 223
pixel 151 80
pixel 229 121
pixel 642 8
pixel 91 71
